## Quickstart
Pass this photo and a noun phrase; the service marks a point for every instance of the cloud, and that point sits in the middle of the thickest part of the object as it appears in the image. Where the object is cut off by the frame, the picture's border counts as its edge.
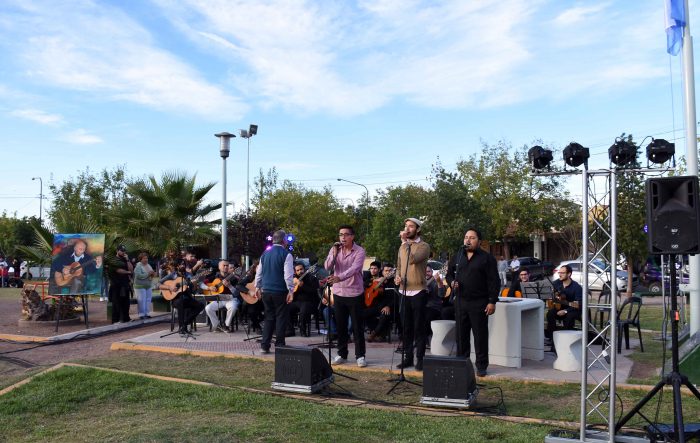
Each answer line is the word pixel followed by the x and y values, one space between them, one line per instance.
pixel 38 116
pixel 82 137
pixel 103 52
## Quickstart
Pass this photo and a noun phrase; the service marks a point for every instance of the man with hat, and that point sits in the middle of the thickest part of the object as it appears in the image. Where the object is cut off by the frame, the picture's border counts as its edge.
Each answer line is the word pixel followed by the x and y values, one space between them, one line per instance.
pixel 411 282
pixel 119 281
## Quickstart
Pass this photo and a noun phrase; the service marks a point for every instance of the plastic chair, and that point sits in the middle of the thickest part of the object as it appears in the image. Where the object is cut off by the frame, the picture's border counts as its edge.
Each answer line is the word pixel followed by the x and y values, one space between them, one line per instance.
pixel 629 316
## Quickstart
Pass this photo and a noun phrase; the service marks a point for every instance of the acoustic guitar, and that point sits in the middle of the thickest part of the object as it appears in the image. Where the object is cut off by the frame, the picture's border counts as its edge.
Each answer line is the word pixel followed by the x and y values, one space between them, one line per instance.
pixel 506 291
pixel 249 297
pixel 373 291
pixel 71 271
pixel 172 288
pixel 297 281
pixel 558 302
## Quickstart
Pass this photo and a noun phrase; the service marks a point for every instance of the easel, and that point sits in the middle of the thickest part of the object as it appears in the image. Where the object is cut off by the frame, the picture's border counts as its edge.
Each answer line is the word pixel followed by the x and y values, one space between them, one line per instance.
pixel 84 303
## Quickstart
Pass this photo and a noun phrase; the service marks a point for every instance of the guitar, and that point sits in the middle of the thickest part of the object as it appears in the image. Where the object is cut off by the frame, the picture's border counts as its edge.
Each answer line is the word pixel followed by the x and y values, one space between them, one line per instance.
pixel 249 297
pixel 297 281
pixel 373 291
pixel 558 302
pixel 71 271
pixel 217 286
pixel 173 288
pixel 506 291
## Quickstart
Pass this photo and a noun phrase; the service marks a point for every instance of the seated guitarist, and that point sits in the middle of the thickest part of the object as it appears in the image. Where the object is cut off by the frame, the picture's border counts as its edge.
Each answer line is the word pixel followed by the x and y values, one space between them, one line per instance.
pixel 306 298
pixel 566 292
pixel 378 313
pixel 515 289
pixel 224 288
pixel 187 307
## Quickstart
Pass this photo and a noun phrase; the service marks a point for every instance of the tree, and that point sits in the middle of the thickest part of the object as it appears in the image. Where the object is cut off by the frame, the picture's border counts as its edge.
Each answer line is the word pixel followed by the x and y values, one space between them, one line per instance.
pixel 394 205
pixel 167 214
pixel 631 215
pixel 514 202
pixel 313 216
pixel 94 195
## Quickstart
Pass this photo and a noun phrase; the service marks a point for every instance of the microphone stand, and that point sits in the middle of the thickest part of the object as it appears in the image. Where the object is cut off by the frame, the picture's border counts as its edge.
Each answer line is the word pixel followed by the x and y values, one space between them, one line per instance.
pixel 402 306
pixel 458 307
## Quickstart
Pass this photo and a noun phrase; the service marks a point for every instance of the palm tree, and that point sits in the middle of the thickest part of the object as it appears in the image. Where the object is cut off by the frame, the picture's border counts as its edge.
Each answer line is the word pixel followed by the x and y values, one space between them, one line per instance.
pixel 168 213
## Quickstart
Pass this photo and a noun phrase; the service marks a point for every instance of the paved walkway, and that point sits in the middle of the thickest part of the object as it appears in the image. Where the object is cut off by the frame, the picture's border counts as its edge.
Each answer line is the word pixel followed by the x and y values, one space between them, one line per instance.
pixel 380 356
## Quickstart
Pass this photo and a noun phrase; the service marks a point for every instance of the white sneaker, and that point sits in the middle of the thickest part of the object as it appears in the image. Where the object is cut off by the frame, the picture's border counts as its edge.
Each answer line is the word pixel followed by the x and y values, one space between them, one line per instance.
pixel 338 360
pixel 361 362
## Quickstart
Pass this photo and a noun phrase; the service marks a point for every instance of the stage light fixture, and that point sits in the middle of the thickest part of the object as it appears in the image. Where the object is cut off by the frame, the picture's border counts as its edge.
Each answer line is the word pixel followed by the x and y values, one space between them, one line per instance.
pixel 660 150
pixel 539 157
pixel 622 152
pixel 575 155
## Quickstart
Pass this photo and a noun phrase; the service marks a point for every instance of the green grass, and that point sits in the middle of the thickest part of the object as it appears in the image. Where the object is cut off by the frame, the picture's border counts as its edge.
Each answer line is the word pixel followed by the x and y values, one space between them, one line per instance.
pixel 525 399
pixel 75 404
pixel 690 366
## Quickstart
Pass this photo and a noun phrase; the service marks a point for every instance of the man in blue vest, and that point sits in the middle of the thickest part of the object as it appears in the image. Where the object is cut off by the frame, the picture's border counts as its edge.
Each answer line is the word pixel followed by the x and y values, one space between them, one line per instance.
pixel 274 281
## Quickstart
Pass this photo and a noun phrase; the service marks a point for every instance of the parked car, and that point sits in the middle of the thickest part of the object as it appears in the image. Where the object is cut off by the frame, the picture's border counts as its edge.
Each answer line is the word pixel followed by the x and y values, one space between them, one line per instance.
pixel 651 277
pixel 537 268
pixel 597 274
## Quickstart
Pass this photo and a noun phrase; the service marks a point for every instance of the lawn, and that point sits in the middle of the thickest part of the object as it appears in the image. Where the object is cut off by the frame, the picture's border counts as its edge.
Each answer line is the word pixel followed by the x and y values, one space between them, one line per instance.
pixel 76 404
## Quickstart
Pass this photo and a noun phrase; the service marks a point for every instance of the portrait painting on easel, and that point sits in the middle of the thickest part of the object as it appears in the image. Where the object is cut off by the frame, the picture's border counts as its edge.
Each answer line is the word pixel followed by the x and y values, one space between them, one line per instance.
pixel 76 264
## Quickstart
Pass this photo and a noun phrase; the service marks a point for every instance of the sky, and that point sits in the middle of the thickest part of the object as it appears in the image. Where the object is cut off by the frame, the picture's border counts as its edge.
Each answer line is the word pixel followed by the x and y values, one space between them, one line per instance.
pixel 373 92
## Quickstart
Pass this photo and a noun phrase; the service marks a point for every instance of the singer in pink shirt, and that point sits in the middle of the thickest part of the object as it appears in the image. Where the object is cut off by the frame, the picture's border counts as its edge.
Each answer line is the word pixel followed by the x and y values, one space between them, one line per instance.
pixel 345 262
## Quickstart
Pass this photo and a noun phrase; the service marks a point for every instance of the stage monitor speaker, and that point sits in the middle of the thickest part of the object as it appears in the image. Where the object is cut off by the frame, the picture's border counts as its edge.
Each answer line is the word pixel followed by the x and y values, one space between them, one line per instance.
pixel 673 220
pixel 303 370
pixel 448 381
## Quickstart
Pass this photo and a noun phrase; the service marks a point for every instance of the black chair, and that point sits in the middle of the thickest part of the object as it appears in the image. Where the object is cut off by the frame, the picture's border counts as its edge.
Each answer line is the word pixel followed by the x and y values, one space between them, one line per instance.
pixel 629 316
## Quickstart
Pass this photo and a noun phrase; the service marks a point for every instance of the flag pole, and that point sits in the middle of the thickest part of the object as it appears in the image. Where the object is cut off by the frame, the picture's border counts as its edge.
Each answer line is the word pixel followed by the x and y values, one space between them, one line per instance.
pixel 691 147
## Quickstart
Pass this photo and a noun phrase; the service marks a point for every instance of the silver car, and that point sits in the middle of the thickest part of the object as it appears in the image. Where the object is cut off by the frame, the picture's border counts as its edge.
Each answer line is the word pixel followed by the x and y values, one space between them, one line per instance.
pixel 598 274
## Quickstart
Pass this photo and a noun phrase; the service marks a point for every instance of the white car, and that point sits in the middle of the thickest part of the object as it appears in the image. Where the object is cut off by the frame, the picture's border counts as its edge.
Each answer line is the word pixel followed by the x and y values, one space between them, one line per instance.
pixel 597 275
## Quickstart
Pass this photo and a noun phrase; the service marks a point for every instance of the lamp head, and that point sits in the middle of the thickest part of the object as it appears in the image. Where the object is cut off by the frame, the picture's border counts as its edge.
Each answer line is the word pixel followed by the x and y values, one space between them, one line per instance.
pixel 252 130
pixel 660 151
pixel 575 155
pixel 622 152
pixel 539 157
pixel 225 146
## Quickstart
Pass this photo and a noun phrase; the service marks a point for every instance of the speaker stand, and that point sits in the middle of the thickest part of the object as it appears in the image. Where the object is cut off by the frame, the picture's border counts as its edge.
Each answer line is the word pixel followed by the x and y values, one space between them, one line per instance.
pixel 674 379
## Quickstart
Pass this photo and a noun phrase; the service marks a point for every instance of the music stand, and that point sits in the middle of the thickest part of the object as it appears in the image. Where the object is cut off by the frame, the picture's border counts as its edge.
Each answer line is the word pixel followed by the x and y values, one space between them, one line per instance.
pixel 545 290
pixel 530 289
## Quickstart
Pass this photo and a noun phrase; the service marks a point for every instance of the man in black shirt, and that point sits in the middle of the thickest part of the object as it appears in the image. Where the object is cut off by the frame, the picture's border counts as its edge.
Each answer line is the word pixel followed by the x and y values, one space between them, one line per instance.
pixel 473 274
pixel 566 306
pixel 306 298
pixel 119 282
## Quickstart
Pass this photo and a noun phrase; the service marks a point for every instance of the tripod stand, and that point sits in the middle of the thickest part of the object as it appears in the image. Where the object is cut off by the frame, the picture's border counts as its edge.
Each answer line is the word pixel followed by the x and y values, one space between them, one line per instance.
pixel 402 307
pixel 674 379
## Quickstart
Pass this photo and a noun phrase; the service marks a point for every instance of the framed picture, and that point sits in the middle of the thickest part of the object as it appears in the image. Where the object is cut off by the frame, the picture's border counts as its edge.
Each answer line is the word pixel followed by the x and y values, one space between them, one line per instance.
pixel 76 264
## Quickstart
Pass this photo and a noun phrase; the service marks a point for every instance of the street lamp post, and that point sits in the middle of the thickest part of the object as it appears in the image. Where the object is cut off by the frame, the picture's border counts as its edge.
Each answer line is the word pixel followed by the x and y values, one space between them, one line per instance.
pixel 41 196
pixel 224 149
pixel 367 191
pixel 247 134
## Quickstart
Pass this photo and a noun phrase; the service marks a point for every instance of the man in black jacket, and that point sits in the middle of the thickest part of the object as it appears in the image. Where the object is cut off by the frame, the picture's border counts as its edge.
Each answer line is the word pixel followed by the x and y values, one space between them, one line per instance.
pixel 473 274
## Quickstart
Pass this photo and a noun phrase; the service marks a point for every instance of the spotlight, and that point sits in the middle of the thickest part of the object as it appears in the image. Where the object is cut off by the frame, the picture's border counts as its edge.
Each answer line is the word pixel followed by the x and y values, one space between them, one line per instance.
pixel 622 152
pixel 252 129
pixel 575 155
pixel 660 150
pixel 539 157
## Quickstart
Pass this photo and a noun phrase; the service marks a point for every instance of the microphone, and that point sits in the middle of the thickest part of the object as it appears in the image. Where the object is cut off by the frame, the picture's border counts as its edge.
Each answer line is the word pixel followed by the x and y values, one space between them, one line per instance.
pixel 337 244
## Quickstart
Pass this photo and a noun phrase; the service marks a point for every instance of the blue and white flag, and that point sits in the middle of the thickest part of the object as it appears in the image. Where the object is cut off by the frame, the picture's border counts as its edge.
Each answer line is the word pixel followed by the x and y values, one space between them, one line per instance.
pixel 675 22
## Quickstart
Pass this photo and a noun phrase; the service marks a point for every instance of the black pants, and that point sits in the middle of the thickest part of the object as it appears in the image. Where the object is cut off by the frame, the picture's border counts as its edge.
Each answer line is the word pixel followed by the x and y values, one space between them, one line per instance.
pixel 430 315
pixel 353 307
pixel 305 309
pixel 276 318
pixel 569 320
pixel 472 318
pixel 376 321
pixel 187 309
pixel 414 327
pixel 119 295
